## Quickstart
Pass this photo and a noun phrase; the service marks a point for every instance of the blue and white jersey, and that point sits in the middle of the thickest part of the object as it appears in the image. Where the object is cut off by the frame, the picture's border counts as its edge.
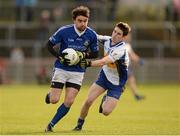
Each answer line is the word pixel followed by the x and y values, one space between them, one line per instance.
pixel 69 37
pixel 116 72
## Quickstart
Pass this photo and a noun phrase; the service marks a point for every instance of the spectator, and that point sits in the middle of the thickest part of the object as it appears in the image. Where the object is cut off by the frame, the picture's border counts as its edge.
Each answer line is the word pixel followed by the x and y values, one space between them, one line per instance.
pixel 42 76
pixel 176 10
pixel 25 10
pixel 17 61
pixel 3 76
pixel 172 10
pixel 45 20
pixel 112 10
pixel 57 14
pixel 19 7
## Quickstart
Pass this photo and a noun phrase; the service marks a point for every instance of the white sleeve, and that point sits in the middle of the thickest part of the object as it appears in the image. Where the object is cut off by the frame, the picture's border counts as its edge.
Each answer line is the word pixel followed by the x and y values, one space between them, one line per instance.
pixel 103 37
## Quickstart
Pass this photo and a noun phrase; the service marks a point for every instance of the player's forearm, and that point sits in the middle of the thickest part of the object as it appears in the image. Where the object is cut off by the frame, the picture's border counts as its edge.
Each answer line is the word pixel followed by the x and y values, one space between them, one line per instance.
pixel 101 62
pixel 97 63
pixel 134 57
pixel 51 49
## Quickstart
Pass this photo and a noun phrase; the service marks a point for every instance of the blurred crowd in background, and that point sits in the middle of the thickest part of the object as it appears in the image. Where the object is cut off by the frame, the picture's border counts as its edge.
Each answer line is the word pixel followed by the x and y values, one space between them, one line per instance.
pixel 102 10
pixel 25 26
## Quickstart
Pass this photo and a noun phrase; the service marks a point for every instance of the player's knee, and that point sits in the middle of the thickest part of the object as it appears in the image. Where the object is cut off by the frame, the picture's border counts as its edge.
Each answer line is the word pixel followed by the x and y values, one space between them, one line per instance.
pixel 54 100
pixel 68 103
pixel 106 112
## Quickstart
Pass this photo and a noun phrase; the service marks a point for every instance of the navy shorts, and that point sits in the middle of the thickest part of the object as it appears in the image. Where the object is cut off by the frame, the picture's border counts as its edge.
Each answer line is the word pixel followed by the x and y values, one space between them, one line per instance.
pixel 114 91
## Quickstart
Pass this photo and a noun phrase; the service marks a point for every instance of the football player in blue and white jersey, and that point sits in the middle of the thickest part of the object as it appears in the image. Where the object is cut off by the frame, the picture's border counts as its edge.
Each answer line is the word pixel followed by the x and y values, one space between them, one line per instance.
pixel 113 75
pixel 82 39
pixel 133 57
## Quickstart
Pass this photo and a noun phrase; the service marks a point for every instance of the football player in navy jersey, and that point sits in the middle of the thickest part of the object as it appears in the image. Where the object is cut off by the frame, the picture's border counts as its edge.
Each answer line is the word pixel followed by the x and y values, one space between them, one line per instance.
pixel 82 39
pixel 113 75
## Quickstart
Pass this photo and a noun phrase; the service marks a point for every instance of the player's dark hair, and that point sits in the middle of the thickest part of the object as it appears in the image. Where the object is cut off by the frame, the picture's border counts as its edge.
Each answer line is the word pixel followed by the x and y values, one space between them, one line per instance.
pixel 80 11
pixel 124 27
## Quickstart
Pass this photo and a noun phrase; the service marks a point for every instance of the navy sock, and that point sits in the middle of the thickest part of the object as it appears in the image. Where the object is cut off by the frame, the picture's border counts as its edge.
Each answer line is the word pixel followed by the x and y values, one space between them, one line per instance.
pixel 61 112
pixel 80 122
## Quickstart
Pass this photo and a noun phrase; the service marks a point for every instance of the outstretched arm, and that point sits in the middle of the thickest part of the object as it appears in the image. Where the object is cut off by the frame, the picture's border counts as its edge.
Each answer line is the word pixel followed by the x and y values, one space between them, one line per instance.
pixel 105 60
pixel 134 57
pixel 96 63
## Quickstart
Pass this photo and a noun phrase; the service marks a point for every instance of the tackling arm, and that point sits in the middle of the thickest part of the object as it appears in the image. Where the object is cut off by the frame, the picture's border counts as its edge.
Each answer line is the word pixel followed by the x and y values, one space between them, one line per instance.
pixel 134 57
pixel 105 60
pixel 96 63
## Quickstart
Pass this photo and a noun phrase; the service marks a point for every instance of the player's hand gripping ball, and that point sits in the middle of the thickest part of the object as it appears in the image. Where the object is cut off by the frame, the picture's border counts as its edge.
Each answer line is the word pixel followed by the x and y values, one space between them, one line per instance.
pixel 71 56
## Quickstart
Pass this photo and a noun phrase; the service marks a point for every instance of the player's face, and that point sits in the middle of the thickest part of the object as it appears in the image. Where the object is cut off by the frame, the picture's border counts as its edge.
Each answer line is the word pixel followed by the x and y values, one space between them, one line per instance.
pixel 117 35
pixel 81 23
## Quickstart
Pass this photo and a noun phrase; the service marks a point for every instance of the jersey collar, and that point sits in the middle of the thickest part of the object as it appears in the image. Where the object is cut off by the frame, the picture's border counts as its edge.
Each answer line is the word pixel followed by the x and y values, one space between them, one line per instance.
pixel 79 33
pixel 117 44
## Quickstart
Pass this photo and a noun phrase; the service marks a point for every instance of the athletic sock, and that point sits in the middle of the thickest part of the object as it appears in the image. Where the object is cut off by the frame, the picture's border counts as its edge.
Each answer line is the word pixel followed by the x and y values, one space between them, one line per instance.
pixel 80 122
pixel 50 126
pixel 61 112
pixel 47 98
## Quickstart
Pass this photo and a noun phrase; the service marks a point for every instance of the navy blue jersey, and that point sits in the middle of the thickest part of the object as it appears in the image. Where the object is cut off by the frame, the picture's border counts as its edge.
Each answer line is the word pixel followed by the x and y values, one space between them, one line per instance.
pixel 69 37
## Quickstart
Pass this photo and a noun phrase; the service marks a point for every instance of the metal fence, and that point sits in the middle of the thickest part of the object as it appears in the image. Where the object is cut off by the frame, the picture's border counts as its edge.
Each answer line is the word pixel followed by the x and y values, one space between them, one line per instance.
pixel 154 71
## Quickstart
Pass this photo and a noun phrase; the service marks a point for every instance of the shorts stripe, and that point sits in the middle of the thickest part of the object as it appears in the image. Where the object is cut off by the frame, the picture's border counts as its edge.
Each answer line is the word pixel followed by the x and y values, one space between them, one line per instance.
pixel 73 85
pixel 57 85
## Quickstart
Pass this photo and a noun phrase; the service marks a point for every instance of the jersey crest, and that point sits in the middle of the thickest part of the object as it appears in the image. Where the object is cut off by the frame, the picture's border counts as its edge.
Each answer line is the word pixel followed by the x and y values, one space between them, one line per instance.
pixel 86 43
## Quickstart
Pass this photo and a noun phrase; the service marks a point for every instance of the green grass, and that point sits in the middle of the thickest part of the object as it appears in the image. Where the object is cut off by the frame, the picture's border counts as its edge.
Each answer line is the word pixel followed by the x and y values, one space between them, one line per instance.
pixel 23 111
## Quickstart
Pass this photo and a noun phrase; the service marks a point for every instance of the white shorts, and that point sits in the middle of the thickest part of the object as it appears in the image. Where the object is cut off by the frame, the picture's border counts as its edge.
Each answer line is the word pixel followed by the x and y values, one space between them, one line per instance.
pixel 63 76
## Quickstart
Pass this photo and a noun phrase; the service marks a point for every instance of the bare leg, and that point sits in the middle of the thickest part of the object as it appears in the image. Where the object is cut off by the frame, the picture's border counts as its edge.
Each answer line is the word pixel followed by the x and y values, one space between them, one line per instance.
pixel 132 84
pixel 94 91
pixel 133 87
pixel 109 105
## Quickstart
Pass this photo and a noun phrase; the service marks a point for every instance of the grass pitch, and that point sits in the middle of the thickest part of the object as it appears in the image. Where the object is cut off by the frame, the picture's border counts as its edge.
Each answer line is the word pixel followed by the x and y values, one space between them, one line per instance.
pixel 23 111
